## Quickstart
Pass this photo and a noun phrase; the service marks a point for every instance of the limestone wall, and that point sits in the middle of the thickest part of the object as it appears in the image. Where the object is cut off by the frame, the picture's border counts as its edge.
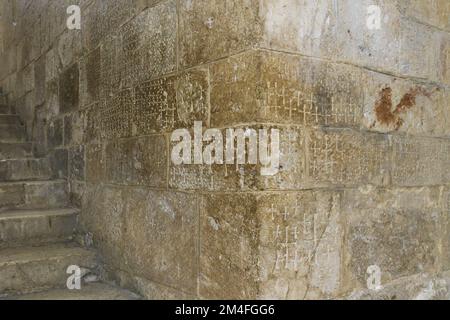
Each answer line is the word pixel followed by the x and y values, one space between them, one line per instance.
pixel 363 114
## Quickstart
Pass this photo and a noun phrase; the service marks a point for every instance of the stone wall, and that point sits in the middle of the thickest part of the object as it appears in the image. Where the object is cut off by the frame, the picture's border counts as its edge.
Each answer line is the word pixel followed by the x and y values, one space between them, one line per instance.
pixel 364 117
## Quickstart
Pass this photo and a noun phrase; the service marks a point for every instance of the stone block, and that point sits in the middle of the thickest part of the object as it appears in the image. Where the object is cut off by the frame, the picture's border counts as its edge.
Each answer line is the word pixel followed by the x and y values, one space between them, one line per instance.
pixel 69 89
pixel 90 78
pixel 55 133
pixel 15 150
pixel 214 29
pixel 396 230
pixel 301 26
pixel 154 222
pixel 74 126
pixel 172 102
pixel 76 163
pixel 270 246
pixel 137 161
pixel 59 161
pixel 392 104
pixel 434 13
pixel 32 227
pixel 420 161
pixel 25 169
pixel 45 265
pixel 281 88
pixel 115 115
pixel 95 163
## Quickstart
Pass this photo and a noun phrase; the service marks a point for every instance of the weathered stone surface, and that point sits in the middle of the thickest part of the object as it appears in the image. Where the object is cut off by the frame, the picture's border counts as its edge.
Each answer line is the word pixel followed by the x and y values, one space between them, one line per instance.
pixel 339 30
pixel 32 227
pixel 69 89
pixel 445 230
pixel 143 231
pixel 414 60
pixel 115 115
pixel 74 126
pixel 141 161
pixel 28 169
pixel 55 133
pixel 46 266
pixel 392 104
pixel 420 162
pixel 12 133
pixel 95 163
pixel 229 247
pixel 445 58
pixel 15 150
pixel 308 158
pixel 155 291
pixel 394 229
pixel 271 246
pixel 213 29
pixel 90 72
pixel 435 13
pixel 155 221
pixel 300 26
pixel 88 292
pixel 59 162
pixel 173 102
pixel 417 287
pixel 76 163
pixel 282 88
pixel 33 195
pixel 143 48
pixel 364 153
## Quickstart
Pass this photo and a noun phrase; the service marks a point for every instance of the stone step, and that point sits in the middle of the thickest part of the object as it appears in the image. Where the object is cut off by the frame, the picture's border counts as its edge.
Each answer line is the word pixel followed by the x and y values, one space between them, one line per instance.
pixel 25 169
pixel 32 227
pixel 33 269
pixel 12 133
pixel 89 291
pixel 33 195
pixel 16 150
pixel 4 109
pixel 10 119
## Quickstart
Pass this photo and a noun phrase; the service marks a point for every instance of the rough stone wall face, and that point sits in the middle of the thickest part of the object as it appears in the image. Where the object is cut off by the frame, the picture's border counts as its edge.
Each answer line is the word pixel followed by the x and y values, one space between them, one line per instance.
pixel 364 120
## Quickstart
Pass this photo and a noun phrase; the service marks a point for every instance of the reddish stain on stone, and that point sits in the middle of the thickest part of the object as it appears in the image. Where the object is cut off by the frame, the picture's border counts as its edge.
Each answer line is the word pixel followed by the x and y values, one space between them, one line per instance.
pixel 383 106
pixel 409 99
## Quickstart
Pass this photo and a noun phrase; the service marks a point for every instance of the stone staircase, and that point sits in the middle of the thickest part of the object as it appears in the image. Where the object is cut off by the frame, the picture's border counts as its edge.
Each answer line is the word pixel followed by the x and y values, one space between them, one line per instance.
pixel 37 225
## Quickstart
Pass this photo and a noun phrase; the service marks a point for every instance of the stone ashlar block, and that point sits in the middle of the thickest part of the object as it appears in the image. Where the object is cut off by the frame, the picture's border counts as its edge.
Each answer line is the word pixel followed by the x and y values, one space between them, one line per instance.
pixel 135 229
pixel 396 230
pixel 271 246
pixel 213 29
pixel 341 31
pixel 434 13
pixel 90 78
pixel 142 49
pixel 76 163
pixel 69 89
pixel 173 102
pixel 420 161
pixel 307 159
pixel 397 105
pixel 261 86
pixel 25 169
pixel 135 161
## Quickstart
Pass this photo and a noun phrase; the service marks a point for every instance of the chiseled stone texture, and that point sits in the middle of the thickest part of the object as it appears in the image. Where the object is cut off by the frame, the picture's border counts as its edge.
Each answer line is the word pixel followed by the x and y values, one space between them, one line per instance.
pixel 271 246
pixel 394 229
pixel 149 234
pixel 364 124
pixel 212 29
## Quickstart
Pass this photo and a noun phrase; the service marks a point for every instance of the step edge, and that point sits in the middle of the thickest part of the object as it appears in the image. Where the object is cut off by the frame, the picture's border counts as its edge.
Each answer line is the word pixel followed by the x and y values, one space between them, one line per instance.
pixel 37 213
